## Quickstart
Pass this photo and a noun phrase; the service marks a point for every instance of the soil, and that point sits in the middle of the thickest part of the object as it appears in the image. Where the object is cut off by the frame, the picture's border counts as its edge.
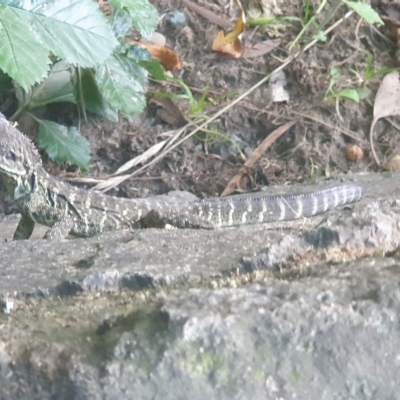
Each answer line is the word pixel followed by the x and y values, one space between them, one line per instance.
pixel 314 147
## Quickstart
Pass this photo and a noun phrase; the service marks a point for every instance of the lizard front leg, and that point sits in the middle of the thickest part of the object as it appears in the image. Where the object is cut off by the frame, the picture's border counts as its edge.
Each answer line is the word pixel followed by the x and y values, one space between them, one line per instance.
pixel 59 230
pixel 25 228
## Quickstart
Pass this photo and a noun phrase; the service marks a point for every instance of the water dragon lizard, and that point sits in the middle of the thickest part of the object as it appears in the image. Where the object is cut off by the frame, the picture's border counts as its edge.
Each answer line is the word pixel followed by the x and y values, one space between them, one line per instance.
pixel 67 209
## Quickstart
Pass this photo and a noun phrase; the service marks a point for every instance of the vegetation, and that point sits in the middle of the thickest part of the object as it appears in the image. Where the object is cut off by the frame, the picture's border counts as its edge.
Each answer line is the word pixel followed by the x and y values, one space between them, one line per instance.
pixel 68 51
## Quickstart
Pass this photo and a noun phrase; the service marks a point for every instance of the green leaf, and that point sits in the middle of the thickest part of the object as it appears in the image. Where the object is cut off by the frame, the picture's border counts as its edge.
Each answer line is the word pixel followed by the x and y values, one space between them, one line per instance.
pixel 351 94
pixel 94 100
pixel 122 83
pixel 355 94
pixel 121 23
pixel 5 82
pixel 363 92
pixel 57 87
pixel 74 30
pixel 143 57
pixel 138 53
pixel 64 144
pixel 143 14
pixel 320 36
pixel 16 43
pixel 154 68
pixel 335 75
pixel 365 11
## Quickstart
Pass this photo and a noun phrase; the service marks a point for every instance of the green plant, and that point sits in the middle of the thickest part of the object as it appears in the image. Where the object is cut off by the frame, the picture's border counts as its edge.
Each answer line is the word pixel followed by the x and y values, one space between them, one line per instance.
pixel 196 112
pixel 359 93
pixel 364 10
pixel 195 105
pixel 67 51
pixel 355 94
pixel 370 71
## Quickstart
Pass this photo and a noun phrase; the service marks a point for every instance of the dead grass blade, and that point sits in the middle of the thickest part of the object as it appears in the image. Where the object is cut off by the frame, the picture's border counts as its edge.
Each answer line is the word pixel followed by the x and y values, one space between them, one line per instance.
pixel 387 103
pixel 114 181
pixel 234 184
pixel 111 183
pixel 169 111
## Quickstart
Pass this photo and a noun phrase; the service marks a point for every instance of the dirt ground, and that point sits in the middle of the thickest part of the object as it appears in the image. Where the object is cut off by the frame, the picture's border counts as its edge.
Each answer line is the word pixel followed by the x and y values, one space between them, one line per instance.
pixel 315 146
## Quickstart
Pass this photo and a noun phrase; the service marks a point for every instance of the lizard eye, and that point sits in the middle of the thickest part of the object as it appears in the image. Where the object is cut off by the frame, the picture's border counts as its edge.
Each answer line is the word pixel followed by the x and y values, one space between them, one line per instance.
pixel 10 155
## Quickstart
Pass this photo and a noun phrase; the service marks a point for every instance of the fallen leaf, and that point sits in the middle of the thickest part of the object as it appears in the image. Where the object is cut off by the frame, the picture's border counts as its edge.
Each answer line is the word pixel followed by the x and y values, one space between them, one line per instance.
pixel 234 184
pixel 167 57
pixel 231 42
pixel 169 111
pixel 211 16
pixel 259 49
pixel 392 27
pixel 387 103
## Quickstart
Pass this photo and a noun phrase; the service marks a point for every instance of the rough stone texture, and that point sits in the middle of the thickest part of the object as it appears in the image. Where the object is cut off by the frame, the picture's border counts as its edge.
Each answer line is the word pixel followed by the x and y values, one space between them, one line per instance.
pixel 306 311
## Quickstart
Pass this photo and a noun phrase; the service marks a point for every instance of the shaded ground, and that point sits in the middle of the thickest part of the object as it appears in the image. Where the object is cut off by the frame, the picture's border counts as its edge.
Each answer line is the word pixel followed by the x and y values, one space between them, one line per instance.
pixel 314 146
pixel 206 314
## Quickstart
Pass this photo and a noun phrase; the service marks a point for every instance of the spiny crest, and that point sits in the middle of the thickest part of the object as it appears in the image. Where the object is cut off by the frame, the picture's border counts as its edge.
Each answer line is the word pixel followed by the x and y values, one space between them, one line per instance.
pixel 18 155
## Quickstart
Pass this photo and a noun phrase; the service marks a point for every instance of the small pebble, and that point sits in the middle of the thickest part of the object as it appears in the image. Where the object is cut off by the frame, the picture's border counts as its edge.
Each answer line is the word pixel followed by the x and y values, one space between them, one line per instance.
pixel 354 153
pixel 176 18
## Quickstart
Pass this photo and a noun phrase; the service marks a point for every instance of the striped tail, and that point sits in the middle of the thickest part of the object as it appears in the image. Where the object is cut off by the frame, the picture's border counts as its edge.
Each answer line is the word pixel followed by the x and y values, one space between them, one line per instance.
pixel 254 210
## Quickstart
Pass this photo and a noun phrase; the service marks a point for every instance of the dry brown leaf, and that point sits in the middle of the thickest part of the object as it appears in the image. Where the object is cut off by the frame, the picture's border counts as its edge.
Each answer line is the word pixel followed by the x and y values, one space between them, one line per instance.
pixel 167 57
pixel 234 184
pixel 259 49
pixel 387 103
pixel 393 29
pixel 231 42
pixel 169 111
pixel 211 16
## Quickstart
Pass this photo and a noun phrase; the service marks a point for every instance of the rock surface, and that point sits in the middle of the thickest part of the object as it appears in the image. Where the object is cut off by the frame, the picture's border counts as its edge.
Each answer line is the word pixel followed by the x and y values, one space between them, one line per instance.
pixel 307 310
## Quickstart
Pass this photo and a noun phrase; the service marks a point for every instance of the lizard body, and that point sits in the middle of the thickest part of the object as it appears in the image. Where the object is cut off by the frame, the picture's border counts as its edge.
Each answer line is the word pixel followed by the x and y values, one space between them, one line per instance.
pixel 66 209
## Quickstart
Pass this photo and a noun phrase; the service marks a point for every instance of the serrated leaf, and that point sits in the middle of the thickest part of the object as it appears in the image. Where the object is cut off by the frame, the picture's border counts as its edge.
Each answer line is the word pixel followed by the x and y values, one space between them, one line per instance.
pixel 57 87
pixel 134 70
pixel 365 11
pixel 121 23
pixel 138 53
pixel 122 83
pixel 17 39
pixel 94 100
pixel 64 144
pixel 74 30
pixel 143 14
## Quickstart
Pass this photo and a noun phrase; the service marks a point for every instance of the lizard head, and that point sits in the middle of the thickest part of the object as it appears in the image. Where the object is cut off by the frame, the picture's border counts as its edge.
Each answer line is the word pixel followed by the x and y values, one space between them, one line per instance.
pixel 19 158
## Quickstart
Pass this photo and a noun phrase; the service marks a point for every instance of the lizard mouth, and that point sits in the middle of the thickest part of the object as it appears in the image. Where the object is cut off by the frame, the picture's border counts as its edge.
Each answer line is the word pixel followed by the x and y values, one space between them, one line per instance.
pixel 11 173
